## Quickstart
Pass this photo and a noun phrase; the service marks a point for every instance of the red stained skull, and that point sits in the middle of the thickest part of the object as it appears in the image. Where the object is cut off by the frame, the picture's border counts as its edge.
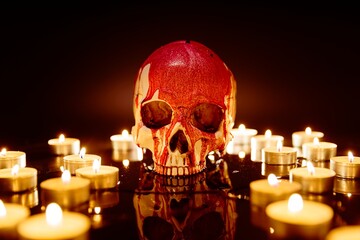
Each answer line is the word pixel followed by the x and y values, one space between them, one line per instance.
pixel 184 106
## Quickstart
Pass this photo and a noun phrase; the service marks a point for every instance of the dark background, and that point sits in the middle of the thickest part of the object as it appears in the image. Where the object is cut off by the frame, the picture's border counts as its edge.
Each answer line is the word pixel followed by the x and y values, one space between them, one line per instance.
pixel 72 70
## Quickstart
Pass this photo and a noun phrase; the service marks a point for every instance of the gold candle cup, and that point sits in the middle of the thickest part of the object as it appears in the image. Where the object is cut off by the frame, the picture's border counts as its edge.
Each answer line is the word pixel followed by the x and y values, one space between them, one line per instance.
pixel 262 193
pixel 67 194
pixel 15 214
pixel 283 156
pixel 300 137
pixel 311 222
pixel 105 177
pixel 24 179
pixel 345 168
pixel 321 181
pixel 258 142
pixel 73 162
pixel 75 226
pixel 67 146
pixel 12 158
pixel 322 151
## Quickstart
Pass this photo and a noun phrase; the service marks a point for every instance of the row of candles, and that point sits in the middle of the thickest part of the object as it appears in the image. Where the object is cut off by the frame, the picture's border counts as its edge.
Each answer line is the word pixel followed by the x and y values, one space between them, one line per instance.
pixel 69 191
pixel 287 214
pixel 81 174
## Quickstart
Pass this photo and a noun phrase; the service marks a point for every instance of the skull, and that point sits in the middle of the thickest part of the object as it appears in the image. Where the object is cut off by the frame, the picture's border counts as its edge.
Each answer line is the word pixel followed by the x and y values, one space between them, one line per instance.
pixel 184 107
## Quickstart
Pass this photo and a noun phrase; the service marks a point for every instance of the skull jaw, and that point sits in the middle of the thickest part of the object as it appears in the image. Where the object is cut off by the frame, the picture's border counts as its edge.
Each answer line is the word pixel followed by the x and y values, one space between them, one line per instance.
pixel 179 164
pixel 178 170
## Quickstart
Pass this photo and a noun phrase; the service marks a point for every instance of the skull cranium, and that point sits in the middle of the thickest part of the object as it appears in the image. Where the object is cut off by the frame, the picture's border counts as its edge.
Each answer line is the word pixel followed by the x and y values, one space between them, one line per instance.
pixel 184 106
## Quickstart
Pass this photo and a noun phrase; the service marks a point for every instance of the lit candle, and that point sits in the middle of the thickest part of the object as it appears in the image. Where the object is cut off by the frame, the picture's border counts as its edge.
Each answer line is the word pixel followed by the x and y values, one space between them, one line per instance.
pixel 64 146
pixel 319 152
pixel 242 135
pixel 17 179
pixel 8 159
pixel 67 191
pixel 100 177
pixel 265 191
pixel 313 179
pixel 301 137
pixel 296 218
pixel 55 224
pixel 11 214
pixel 123 142
pixel 75 161
pixel 259 142
pixel 279 154
pixel 349 232
pixel 346 166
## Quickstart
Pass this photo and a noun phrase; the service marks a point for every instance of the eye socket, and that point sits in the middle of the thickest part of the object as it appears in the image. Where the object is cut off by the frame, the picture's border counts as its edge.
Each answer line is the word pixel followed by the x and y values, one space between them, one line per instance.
pixel 207 117
pixel 156 114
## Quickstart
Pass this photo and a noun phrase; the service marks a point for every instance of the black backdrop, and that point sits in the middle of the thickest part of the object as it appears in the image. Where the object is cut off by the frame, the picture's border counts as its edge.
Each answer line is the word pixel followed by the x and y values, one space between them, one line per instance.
pixel 72 70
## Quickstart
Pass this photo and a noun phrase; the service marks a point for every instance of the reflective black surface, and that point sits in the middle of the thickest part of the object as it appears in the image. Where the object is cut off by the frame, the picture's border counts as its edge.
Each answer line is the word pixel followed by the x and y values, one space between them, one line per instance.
pixel 211 205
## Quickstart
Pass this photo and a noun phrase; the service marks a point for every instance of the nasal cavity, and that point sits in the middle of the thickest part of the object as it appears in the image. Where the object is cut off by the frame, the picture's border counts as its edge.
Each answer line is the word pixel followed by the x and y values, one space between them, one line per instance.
pixel 179 142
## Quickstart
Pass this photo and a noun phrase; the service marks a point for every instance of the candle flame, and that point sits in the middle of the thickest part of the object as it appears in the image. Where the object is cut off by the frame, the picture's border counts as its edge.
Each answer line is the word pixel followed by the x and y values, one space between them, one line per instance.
pixel 15 170
pixel 268 133
pixel 61 138
pixel 316 141
pixel 295 203
pixel 242 154
pixel 351 157
pixel 82 152
pixel 53 214
pixel 126 163
pixel 125 133
pixel 2 209
pixel 97 210
pixel 308 131
pixel 242 128
pixel 66 176
pixel 310 168
pixel 272 180
pixel 3 152
pixel 279 145
pixel 96 165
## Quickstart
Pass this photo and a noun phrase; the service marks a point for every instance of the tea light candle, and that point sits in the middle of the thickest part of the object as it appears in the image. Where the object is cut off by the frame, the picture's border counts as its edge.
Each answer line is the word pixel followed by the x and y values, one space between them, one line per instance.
pixel 349 232
pixel 75 161
pixel 64 146
pixel 242 135
pixel 66 191
pixel 279 154
pixel 319 151
pixel 101 177
pixel 17 179
pixel 123 142
pixel 259 142
pixel 299 219
pixel 313 179
pixel 301 137
pixel 55 224
pixel 265 191
pixel 346 166
pixel 8 159
pixel 11 215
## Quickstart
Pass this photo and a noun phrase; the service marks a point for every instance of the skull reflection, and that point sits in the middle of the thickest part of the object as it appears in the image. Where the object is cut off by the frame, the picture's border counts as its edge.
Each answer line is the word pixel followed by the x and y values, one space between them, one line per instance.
pixel 184 106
